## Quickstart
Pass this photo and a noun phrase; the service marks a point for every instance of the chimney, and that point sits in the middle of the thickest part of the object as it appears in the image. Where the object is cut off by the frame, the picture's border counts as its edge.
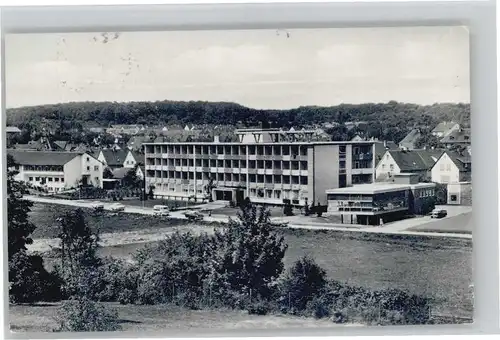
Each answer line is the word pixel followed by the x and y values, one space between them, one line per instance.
pixel 216 139
pixel 385 144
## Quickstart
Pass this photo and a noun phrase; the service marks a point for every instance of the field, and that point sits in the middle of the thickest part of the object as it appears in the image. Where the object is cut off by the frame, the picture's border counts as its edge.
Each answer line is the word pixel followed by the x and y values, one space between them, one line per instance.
pixel 161 318
pixel 437 267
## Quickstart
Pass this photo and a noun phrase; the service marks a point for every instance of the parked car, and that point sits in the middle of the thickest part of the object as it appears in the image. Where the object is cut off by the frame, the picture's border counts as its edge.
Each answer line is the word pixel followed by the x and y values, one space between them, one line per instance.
pixel 193 215
pixel 439 213
pixel 97 205
pixel 117 207
pixel 161 210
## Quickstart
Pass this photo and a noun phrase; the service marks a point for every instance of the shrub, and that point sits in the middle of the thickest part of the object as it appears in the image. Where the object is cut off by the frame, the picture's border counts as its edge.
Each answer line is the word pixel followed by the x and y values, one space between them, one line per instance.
pixel 84 315
pixel 303 282
pixel 30 281
pixel 259 307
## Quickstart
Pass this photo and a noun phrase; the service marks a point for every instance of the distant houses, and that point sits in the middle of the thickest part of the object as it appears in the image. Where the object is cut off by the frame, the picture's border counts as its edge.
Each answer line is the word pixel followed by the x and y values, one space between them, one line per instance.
pixel 443 129
pixel 460 137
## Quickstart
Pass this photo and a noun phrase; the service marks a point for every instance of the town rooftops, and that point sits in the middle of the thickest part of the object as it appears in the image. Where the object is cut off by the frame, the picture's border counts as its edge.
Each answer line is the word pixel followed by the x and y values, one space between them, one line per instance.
pixel 378 188
pixel 444 127
pixel 457 136
pixel 415 160
pixel 25 157
pixel 121 172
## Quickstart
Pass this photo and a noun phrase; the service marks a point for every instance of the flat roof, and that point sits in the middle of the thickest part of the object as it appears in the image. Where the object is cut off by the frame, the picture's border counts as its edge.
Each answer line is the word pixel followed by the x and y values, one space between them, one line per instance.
pixel 372 188
pixel 262 143
pixel 376 188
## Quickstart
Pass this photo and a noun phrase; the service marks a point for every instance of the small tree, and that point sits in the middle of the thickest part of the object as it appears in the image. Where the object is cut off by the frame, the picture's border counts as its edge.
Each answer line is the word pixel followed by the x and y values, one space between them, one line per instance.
pixel 151 193
pixel 107 173
pixel 249 255
pixel 319 209
pixel 18 209
pixel 208 189
pixel 131 180
pixel 288 209
pixel 79 261
pixel 84 315
pixel 303 282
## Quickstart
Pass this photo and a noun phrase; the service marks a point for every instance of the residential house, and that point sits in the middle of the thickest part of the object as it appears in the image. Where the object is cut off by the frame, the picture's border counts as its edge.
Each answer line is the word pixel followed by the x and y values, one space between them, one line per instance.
pixel 57 171
pixel 460 137
pixel 452 168
pixel 116 159
pixel 460 193
pixel 444 129
pixel 135 143
pixel 407 161
pixel 113 159
pixel 410 141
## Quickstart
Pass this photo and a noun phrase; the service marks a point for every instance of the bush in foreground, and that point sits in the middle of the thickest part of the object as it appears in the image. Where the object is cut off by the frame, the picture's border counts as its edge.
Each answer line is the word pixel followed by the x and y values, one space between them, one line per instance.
pixel 84 315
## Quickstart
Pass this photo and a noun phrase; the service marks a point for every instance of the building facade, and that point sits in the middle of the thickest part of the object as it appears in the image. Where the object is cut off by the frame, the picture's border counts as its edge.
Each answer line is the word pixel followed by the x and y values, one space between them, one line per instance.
pixel 376 203
pixel 452 168
pixel 57 171
pixel 395 162
pixel 268 166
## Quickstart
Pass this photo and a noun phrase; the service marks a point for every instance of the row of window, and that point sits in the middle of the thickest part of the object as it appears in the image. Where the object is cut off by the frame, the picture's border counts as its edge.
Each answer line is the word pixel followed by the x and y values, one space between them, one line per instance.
pixel 268 179
pixel 219 163
pixel 229 149
pixel 47 179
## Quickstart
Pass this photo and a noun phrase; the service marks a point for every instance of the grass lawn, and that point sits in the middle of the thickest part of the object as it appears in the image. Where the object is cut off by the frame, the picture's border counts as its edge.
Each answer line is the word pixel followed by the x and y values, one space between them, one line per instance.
pixel 162 317
pixel 44 216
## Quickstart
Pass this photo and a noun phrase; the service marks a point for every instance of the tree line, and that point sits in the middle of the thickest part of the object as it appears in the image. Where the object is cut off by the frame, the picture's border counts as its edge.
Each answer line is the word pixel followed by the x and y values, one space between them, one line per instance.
pixel 390 119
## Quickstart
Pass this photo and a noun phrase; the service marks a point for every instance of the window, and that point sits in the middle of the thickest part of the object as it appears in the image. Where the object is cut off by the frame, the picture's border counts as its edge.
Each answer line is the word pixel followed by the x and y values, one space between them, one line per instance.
pixel 277 194
pixel 453 198
pixel 342 164
pixel 383 166
pixel 96 167
pixel 441 167
pixel 50 179
pixel 62 180
pixel 391 167
pixel 448 167
pixel 37 179
pixel 88 168
pixel 96 179
pixel 31 179
pixel 56 179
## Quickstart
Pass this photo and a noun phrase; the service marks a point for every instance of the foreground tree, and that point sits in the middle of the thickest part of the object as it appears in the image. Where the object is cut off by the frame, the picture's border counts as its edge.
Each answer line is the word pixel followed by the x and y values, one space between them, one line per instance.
pixel 18 209
pixel 249 256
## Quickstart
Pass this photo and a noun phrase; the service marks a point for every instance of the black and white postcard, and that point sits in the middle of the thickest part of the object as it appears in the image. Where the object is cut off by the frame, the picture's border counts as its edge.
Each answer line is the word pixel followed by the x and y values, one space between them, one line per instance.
pixel 239 179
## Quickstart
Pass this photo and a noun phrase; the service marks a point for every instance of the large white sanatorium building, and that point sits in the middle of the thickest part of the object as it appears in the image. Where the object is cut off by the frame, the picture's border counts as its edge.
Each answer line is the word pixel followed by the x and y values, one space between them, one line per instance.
pixel 268 166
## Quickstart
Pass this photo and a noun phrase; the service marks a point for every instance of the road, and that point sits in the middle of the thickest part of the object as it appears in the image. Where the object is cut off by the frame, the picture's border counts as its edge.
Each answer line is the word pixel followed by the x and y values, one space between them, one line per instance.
pixel 396 228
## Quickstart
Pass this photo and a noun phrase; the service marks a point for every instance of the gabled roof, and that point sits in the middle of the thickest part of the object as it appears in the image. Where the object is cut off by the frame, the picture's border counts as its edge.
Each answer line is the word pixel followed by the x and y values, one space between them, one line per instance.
pixel 61 144
pixel 139 157
pixel 24 157
pixel 411 137
pixel 457 136
pixel 463 163
pixel 115 157
pixel 444 127
pixel 415 160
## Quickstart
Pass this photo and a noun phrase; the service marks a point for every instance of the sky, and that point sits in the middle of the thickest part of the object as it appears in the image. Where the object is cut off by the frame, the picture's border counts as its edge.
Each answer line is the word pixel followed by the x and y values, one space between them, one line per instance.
pixel 267 69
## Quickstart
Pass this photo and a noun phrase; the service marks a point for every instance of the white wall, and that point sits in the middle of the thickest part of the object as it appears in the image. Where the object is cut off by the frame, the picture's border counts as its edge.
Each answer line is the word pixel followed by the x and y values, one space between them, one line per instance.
pixel 445 171
pixel 130 161
pixel 386 165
